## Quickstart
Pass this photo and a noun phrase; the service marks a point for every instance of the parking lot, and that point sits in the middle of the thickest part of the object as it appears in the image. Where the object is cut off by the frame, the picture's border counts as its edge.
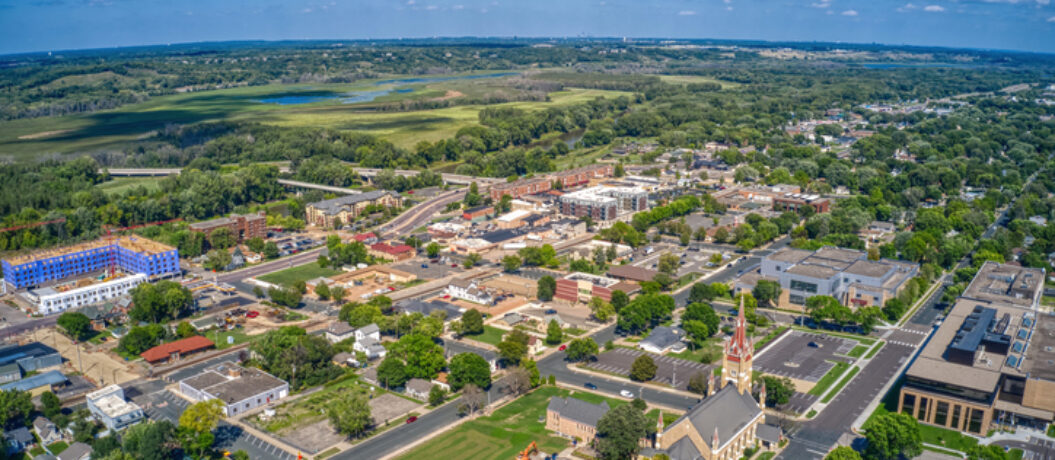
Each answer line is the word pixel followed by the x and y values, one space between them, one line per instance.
pixel 426 270
pixel 804 356
pixel 619 361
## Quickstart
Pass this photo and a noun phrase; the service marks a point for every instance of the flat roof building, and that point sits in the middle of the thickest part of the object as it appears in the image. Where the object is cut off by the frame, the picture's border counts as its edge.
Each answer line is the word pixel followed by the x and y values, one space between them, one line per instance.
pixel 795 201
pixel 603 203
pixel 240 389
pixel 1020 286
pixel 109 406
pixel 132 254
pixel 581 287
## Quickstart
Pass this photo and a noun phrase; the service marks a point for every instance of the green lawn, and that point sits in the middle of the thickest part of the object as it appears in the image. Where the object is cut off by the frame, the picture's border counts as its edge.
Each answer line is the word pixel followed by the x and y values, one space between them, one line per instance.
pixel 299 273
pixel 310 409
pixel 491 335
pixel 842 383
pixel 860 338
pixel 58 447
pixel 857 351
pixel 239 336
pixel 509 430
pixel 769 337
pixel 829 379
pixel 874 351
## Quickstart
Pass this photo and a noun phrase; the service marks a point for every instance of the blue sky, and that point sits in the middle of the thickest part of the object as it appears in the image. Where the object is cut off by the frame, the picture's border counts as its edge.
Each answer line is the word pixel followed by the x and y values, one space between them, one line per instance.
pixel 44 25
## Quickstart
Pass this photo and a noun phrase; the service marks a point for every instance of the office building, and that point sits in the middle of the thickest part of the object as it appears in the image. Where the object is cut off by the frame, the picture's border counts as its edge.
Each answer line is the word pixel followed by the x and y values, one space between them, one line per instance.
pixel 240 389
pixel 581 287
pixel 109 407
pixel 242 226
pixel 795 201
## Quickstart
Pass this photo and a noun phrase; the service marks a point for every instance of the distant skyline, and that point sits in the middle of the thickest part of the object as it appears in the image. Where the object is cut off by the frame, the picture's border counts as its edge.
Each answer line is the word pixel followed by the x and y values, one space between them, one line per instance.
pixel 52 25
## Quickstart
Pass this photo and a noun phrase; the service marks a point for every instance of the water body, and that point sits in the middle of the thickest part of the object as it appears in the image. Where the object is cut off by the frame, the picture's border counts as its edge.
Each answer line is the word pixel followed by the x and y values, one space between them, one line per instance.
pixel 399 86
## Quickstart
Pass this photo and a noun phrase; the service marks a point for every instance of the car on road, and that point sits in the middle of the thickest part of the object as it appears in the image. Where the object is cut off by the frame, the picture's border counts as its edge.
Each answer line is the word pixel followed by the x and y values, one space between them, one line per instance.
pixel 813 345
pixel 454 265
pixel 412 419
pixel 626 393
pixel 424 265
pixel 590 386
pixel 562 348
pixel 252 314
pixel 551 312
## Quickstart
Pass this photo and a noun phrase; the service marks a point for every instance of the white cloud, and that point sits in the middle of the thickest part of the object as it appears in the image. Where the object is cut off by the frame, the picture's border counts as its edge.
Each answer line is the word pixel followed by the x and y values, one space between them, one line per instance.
pixel 849 13
pixel 306 10
pixel 1043 2
pixel 410 2
pixel 821 4
pixel 907 7
pixel 727 1
pixel 1051 19
pixel 458 7
pixel 728 8
pixel 933 8
pixel 686 13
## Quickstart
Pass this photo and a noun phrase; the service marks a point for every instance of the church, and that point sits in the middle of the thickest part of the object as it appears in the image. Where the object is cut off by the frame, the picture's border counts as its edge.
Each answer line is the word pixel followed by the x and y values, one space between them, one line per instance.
pixel 729 419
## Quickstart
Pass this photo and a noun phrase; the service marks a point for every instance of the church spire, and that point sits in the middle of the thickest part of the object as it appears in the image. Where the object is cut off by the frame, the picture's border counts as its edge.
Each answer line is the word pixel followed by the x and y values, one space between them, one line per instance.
pixel 737 360
pixel 739 347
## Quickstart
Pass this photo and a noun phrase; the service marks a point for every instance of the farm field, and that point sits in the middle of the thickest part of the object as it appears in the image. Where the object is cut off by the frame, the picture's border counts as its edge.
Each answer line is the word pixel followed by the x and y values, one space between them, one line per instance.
pixel 315 107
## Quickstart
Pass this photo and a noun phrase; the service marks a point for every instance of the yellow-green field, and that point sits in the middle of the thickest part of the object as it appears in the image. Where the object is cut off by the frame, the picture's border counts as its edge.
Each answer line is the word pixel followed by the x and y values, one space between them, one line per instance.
pixel 687 79
pixel 117 128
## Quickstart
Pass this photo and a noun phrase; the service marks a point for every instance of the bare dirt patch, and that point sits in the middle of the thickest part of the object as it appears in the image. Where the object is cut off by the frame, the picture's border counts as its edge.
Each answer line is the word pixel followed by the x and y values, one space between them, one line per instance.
pixel 451 94
pixel 389 407
pixel 42 134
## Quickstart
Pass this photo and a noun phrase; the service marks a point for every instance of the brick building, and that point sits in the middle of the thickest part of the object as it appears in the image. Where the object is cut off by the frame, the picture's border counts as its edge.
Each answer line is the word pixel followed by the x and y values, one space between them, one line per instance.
pixel 795 201
pixel 390 252
pixel 574 418
pixel 581 287
pixel 520 188
pixel 242 226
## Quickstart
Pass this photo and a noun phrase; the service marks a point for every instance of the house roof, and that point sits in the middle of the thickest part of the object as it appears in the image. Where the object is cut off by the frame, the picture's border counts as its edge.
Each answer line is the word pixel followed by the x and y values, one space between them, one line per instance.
pixel 390 249
pixel 336 205
pixel 369 329
pixel 728 410
pixel 632 273
pixel 76 451
pixel 684 449
pixel 418 385
pixel 417 306
pixel 42 424
pixel 21 435
pixel 578 410
pixel 364 236
pixel 187 345
pixel 343 357
pixel 340 328
pixel 768 433
pixel 663 337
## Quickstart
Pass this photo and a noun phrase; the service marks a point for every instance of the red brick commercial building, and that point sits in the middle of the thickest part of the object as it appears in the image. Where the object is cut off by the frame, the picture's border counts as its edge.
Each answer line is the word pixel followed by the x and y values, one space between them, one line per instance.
pixel 580 176
pixel 387 251
pixel 581 287
pixel 242 226
pixel 173 351
pixel 795 201
pixel 477 212
pixel 520 188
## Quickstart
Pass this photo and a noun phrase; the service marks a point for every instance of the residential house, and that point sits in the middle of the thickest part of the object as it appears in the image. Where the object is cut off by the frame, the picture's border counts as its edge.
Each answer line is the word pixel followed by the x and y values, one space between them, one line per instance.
pixel 468 290
pixel 410 306
pixel 663 339
pixel 451 348
pixel 76 451
pixel 339 331
pixel 345 359
pixel 368 331
pixel 418 389
pixel 47 432
pixel 237 259
pixel 18 440
pixel 370 376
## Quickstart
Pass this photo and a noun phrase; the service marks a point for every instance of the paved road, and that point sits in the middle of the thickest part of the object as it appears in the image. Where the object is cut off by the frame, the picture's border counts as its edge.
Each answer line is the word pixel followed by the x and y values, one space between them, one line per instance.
pixel 1035 449
pixel 419 214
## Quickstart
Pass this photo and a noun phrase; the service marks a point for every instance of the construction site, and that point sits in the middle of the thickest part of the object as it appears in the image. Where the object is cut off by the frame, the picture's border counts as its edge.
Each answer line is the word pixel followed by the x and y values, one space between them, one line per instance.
pixel 131 254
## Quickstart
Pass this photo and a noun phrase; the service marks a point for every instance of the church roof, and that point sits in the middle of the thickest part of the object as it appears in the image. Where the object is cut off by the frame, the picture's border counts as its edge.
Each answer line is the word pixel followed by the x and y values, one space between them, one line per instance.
pixel 728 411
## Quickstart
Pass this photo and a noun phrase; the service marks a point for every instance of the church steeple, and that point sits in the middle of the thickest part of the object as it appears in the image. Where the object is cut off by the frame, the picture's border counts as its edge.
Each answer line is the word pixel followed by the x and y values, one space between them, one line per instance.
pixel 737 360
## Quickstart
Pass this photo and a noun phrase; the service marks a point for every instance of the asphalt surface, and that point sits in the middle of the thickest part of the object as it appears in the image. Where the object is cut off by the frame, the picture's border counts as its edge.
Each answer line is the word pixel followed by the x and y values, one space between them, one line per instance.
pixel 419 214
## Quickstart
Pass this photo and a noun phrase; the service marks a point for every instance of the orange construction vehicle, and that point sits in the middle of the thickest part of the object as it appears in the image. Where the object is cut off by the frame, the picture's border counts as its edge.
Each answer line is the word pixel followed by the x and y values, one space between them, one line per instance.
pixel 531 450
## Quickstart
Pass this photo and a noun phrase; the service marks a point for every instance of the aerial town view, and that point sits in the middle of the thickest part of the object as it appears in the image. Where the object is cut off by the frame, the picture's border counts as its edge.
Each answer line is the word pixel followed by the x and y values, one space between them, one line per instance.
pixel 491 230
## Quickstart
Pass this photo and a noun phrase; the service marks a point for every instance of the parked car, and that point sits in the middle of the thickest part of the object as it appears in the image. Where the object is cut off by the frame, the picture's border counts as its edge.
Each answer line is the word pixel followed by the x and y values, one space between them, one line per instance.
pixel 252 314
pixel 424 265
pixel 814 345
pixel 590 386
pixel 446 297
pixel 454 265
pixel 562 348
pixel 626 393
pixel 412 419
pixel 551 312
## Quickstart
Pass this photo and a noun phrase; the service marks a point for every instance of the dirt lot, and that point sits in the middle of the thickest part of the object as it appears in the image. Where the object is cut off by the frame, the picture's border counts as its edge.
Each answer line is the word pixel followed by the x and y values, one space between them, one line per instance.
pixel 575 316
pixel 496 311
pixel 99 365
pixel 390 407
pixel 513 284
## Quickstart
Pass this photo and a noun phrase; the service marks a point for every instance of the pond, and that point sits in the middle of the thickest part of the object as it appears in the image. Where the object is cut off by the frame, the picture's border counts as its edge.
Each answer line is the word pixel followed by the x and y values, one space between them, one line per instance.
pixel 399 85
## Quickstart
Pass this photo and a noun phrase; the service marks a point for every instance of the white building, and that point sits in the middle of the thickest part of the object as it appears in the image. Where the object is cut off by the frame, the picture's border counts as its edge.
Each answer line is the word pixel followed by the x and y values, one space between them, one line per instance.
pixel 240 389
pixel 50 300
pixel 339 331
pixel 467 290
pixel 108 405
pixel 368 340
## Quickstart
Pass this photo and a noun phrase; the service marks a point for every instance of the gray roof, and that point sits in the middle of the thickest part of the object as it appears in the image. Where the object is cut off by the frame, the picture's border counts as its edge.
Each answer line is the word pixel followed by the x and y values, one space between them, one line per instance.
pixel 728 410
pixel 768 433
pixel 869 268
pixel 43 424
pixel 370 329
pixel 790 255
pixel 76 451
pixel 418 385
pixel 335 205
pixel 29 383
pixel 663 337
pixel 684 449
pixel 370 375
pixel 10 369
pixel 250 382
pixel 343 357
pixel 578 410
pixel 409 306
pixel 21 435
pixel 340 328
pixel 451 348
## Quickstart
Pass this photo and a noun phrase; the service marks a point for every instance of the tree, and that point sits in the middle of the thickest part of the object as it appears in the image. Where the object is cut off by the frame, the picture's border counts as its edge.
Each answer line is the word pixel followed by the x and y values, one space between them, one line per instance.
pixel 519 380
pixel 473 398
pixel 892 436
pixel 668 263
pixel 141 338
pixel 601 310
pixel 198 421
pixel 159 302
pixel 222 238
pixel 258 292
pixel 698 383
pixel 436 395
pixel 619 300
pixel 472 322
pixel 75 324
pixel 51 405
pixel 766 292
pixel 150 440
pixel 293 355
pixel 700 322
pixel 583 349
pixel 620 430
pixel 778 390
pixel 547 286
pixel 289 297
pixel 843 453
pixel 511 263
pixel 423 357
pixel 184 330
pixel 471 260
pixel 350 414
pixel 15 407
pixel 700 292
pixel 513 347
pixel 643 369
pixel 433 249
pixel 255 244
pixel 323 291
pixel 532 368
pixel 391 372
pixel 271 250
pixel 360 314
pixel 554 334
pixel 217 260
pixel 338 293
pixel 469 368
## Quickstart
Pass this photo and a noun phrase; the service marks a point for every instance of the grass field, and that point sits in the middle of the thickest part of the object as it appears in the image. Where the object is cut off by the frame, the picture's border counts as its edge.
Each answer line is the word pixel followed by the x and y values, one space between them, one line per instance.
pixel 842 383
pixel 857 351
pixel 829 379
pixel 120 127
pixel 688 79
pixel 508 430
pixel 239 336
pixel 491 335
pixel 299 273
pixel 119 185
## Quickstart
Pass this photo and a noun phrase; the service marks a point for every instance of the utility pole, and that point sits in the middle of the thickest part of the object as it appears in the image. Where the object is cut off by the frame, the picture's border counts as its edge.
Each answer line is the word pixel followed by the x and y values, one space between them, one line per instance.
pixel 79 362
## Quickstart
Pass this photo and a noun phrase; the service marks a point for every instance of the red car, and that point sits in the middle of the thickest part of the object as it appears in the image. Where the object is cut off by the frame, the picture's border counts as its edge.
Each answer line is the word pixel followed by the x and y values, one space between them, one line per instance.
pixel 562 348
pixel 454 265
pixel 411 192
pixel 412 419
pixel 252 314
pixel 447 296
pixel 390 289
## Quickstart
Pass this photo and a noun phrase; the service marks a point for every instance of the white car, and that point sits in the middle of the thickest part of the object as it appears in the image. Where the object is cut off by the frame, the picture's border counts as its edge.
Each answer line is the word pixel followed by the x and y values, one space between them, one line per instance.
pixel 626 394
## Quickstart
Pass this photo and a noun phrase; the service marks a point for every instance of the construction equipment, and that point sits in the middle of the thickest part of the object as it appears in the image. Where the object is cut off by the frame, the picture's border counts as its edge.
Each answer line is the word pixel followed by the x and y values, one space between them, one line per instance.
pixel 35 224
pixel 526 454
pixel 111 265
